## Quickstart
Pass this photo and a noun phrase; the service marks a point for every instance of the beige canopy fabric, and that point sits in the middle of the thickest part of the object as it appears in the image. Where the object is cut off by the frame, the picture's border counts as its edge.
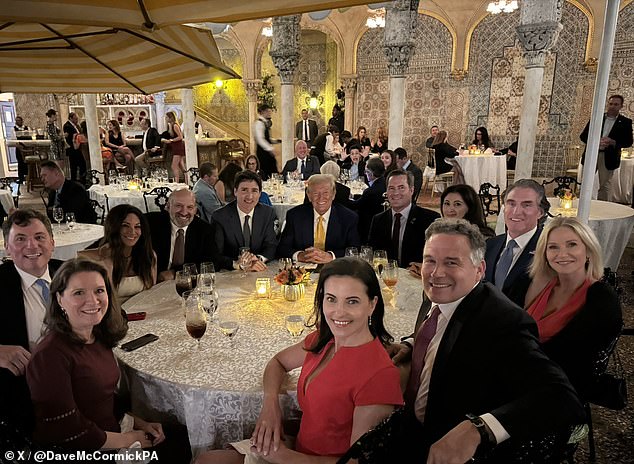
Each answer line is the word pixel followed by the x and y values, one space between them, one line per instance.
pixel 54 58
pixel 157 13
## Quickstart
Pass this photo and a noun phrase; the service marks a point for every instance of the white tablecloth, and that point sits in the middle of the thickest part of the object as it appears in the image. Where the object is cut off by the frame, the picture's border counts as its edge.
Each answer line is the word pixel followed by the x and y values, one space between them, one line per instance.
pixel 483 168
pixel 6 199
pixel 217 392
pixel 622 182
pixel 130 197
pixel 67 243
pixel 612 224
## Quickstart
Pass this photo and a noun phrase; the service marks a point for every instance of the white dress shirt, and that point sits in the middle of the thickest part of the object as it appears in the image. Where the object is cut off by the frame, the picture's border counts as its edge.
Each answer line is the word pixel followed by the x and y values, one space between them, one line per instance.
pixel 258 134
pixel 34 307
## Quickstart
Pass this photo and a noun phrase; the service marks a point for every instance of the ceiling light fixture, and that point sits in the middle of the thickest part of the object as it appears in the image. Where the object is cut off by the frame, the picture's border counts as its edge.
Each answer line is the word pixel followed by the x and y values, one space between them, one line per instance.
pixel 502 6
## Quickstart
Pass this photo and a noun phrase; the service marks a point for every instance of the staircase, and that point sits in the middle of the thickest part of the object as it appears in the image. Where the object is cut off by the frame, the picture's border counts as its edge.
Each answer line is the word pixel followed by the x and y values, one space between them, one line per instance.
pixel 228 129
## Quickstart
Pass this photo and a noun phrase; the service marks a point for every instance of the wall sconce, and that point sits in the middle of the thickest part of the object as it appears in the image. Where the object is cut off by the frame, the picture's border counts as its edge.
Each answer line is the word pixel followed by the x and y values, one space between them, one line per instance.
pixel 263 287
pixel 267 29
pixel 314 101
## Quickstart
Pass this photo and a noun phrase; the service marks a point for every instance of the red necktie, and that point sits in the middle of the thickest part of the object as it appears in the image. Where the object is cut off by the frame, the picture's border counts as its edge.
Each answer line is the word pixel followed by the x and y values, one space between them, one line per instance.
pixel 424 336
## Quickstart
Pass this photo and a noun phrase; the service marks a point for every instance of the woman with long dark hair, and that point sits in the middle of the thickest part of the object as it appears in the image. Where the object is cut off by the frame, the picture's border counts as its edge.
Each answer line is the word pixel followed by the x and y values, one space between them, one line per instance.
pixel 126 251
pixel 481 138
pixel 348 382
pixel 115 141
pixel 461 201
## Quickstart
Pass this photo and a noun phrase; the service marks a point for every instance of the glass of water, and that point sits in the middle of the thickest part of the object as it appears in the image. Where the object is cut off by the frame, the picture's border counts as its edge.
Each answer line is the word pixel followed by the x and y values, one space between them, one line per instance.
pixel 295 324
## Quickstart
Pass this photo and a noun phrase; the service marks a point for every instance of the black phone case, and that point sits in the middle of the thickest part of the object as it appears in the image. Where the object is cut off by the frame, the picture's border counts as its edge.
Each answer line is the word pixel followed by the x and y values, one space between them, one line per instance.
pixel 139 342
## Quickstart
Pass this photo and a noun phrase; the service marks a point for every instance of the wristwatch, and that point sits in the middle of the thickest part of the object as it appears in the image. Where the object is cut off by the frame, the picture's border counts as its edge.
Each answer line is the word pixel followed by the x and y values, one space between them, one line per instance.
pixel 486 441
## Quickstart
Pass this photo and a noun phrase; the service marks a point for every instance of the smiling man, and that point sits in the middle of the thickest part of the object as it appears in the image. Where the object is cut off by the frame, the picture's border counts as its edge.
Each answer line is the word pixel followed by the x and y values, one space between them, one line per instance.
pixel 509 255
pixel 24 283
pixel 246 223
pixel 320 231
pixel 179 236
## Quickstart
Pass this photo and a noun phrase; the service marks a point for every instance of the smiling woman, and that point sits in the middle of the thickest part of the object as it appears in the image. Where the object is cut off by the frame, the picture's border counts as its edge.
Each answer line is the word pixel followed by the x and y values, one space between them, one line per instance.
pixel 126 251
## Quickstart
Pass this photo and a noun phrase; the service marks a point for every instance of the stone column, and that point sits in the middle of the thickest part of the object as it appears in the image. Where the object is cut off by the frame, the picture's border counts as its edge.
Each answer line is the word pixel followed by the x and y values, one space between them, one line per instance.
pixel 191 150
pixel 350 86
pixel 159 105
pixel 285 54
pixel 400 21
pixel 538 32
pixel 252 86
pixel 92 124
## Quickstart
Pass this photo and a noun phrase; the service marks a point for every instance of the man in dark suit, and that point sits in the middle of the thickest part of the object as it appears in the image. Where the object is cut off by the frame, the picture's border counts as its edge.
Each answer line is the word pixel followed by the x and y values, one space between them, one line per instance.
pixel 306 129
pixel 404 162
pixel 616 133
pixel 24 283
pixel 319 232
pixel 66 194
pixel 151 144
pixel 246 223
pixel 179 237
pixel 479 377
pixel 509 255
pixel 304 163
pixel 75 156
pixel 371 201
pixel 403 241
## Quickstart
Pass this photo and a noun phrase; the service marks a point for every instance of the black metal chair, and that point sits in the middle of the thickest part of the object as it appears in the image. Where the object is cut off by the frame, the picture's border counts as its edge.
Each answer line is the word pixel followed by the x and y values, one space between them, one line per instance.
pixel 488 195
pixel 160 195
pixel 194 175
pixel 563 183
pixel 94 177
pixel 100 211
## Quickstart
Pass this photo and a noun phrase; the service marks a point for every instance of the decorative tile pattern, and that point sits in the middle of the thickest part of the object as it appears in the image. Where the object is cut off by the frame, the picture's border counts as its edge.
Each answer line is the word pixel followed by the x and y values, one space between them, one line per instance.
pixel 622 75
pixel 33 107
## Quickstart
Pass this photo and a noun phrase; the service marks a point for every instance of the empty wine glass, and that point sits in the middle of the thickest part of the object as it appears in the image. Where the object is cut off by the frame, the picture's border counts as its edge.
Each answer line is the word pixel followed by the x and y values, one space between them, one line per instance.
pixel 228 324
pixel 352 251
pixel 70 221
pixel 183 282
pixel 195 319
pixel 244 260
pixel 295 324
pixel 208 268
pixel 58 215
pixel 366 254
pixel 209 301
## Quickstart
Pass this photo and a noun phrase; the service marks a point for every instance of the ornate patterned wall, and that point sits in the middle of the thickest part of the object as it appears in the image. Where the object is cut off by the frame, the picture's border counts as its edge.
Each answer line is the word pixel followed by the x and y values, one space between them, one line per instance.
pixel 33 108
pixel 622 75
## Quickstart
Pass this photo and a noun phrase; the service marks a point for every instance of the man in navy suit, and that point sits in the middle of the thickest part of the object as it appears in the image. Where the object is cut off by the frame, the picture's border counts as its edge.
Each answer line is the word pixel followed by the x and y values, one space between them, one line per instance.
pixel 304 163
pixel 246 223
pixel 320 231
pixel 509 255
pixel 24 284
pixel 405 163
pixel 403 241
pixel 616 133
pixel 371 200
pixel 306 129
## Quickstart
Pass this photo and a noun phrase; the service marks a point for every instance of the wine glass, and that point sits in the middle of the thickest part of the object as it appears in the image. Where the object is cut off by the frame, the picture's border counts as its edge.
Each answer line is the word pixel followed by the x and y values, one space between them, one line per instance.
pixel 209 300
pixel 352 251
pixel 295 324
pixel 366 254
pixel 70 221
pixel 183 282
pixel 204 282
pixel 286 263
pixel 228 324
pixel 208 268
pixel 195 320
pixel 390 277
pixel 244 260
pixel 192 270
pixel 379 261
pixel 58 215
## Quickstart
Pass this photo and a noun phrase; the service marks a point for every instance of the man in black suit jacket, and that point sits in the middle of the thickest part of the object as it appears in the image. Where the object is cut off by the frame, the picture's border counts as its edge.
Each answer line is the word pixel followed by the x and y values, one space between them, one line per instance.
pixel 404 162
pixel 404 243
pixel 308 164
pixel 66 194
pixel 246 223
pixel 199 245
pixel 28 239
pixel 300 237
pixel 371 200
pixel 524 205
pixel 75 156
pixel 306 129
pixel 151 144
pixel 481 378
pixel 616 133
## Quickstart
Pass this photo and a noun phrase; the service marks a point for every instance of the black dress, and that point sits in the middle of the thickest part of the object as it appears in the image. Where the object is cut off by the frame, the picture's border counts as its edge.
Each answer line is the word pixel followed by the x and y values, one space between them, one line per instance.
pixel 442 151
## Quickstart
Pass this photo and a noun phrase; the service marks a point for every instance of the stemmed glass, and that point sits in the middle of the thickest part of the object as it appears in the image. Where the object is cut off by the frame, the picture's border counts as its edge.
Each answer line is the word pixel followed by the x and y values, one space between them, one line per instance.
pixel 352 251
pixel 183 282
pixel 390 277
pixel 70 221
pixel 295 324
pixel 228 324
pixel 192 270
pixel 58 215
pixel 379 261
pixel 195 320
pixel 208 268
pixel 366 254
pixel 244 260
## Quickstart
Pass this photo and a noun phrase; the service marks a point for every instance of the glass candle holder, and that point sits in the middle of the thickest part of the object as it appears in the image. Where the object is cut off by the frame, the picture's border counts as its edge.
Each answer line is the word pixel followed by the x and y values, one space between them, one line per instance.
pixel 263 287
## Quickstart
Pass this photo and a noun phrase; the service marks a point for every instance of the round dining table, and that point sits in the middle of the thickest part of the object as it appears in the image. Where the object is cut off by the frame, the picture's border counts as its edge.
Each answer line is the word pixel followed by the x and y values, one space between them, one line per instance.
pixel 612 223
pixel 217 391
pixel 116 195
pixel 478 169
pixel 67 242
pixel 622 181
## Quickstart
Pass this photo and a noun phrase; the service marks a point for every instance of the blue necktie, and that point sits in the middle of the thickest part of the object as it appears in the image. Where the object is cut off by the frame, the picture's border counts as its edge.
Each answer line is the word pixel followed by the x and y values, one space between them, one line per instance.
pixel 43 284
pixel 504 264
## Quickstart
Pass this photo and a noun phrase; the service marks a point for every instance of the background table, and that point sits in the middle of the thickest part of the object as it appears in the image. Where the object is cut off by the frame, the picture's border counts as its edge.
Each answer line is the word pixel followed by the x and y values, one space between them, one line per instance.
pixel 611 223
pixel 622 182
pixel 478 169
pixel 131 197
pixel 6 199
pixel 217 392
pixel 67 243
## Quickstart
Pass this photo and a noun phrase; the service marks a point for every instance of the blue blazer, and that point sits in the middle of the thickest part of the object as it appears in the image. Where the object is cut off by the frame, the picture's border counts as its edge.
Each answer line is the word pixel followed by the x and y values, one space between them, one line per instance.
pixel 299 233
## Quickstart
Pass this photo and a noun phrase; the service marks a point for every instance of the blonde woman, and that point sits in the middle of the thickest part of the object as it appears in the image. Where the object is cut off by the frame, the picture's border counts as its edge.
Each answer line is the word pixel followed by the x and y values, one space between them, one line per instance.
pixel 177 144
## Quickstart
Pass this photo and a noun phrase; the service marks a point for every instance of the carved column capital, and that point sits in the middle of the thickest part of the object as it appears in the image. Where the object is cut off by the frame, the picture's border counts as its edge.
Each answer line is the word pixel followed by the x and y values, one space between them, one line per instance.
pixel 537 40
pixel 252 86
pixel 285 46
pixel 159 97
pixel 349 83
pixel 458 74
pixel 400 21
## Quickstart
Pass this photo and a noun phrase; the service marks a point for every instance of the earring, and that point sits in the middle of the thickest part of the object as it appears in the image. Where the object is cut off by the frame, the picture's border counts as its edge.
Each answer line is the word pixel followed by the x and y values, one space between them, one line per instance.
pixel 64 312
pixel 587 260
pixel 370 320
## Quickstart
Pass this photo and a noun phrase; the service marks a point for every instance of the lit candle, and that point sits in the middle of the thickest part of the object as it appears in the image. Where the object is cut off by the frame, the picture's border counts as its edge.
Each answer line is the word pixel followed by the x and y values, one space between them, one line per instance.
pixel 263 287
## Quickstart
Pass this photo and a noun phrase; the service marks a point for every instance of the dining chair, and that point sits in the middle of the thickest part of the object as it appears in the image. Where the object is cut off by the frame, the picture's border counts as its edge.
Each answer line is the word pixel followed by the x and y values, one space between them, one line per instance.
pixel 193 174
pixel 160 195
pixel 563 183
pixel 489 194
pixel 99 210
pixel 12 184
pixel 94 177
